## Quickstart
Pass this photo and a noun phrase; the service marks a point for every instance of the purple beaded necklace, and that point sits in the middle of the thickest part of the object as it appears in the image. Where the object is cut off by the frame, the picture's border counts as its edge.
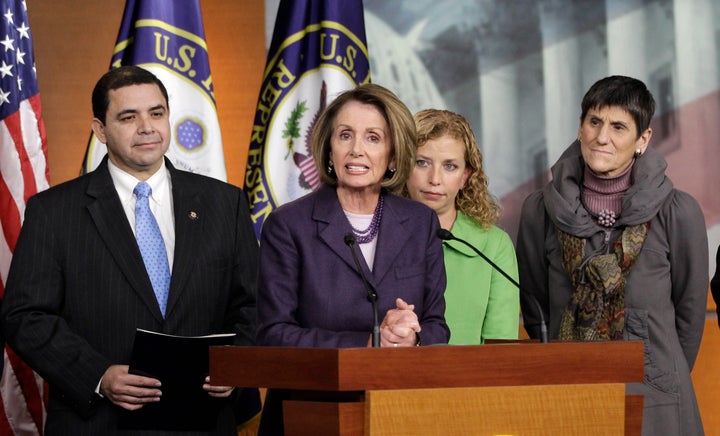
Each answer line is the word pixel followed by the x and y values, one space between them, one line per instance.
pixel 367 235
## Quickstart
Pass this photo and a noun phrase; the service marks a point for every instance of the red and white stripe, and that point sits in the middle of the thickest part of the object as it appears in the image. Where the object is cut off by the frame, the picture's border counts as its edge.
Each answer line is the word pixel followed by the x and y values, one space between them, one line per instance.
pixel 24 172
pixel 309 170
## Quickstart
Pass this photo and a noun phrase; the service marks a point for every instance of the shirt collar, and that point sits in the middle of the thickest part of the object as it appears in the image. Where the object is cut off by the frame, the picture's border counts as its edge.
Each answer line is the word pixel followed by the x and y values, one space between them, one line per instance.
pixel 125 182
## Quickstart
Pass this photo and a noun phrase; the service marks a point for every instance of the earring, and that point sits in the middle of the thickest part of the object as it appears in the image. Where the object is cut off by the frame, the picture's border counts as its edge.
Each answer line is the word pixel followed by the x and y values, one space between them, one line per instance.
pixel 330 168
pixel 579 140
pixel 392 170
pixel 638 153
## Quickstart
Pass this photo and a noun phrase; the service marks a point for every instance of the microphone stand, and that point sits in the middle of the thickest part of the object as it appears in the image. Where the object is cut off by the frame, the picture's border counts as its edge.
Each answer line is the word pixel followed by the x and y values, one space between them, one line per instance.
pixel 446 235
pixel 371 294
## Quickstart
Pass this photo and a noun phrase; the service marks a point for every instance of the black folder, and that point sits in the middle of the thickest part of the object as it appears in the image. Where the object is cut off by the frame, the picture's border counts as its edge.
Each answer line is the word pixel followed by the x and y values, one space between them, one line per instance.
pixel 181 364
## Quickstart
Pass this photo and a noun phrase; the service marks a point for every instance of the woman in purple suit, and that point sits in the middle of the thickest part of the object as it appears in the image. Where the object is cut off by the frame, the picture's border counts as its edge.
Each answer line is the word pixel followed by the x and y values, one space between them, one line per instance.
pixel 317 252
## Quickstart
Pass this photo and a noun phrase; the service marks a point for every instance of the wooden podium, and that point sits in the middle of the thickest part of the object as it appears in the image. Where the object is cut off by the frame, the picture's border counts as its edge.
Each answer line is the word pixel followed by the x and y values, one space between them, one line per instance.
pixel 510 388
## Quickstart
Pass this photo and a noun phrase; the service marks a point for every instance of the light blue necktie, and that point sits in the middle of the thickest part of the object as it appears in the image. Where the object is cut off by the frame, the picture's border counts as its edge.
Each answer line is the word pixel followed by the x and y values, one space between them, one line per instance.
pixel 152 247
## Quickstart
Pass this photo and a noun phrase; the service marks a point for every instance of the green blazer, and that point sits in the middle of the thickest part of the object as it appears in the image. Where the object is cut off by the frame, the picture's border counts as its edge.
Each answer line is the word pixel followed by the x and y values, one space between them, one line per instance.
pixel 480 302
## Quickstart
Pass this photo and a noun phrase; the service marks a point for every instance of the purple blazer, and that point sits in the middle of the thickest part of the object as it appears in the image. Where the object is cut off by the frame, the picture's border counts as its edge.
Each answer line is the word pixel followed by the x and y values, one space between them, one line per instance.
pixel 309 292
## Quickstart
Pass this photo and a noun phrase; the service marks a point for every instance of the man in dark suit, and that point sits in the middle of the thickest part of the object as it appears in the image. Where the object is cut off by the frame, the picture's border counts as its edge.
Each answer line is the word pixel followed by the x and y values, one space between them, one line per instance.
pixel 78 286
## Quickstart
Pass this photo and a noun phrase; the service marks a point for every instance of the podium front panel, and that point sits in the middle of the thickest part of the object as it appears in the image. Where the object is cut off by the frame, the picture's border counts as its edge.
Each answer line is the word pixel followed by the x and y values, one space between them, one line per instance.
pixel 597 409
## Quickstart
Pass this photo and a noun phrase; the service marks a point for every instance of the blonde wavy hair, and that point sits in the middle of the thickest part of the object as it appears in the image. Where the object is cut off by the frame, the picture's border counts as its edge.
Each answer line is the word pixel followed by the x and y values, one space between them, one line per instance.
pixel 473 199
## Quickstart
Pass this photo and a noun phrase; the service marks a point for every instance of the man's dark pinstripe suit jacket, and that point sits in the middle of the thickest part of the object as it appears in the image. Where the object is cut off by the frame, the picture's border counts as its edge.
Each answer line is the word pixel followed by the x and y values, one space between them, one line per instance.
pixel 78 289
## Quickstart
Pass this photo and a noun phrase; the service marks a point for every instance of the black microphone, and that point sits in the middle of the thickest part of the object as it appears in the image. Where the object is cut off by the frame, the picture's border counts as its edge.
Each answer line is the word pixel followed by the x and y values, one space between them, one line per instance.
pixel 446 235
pixel 371 294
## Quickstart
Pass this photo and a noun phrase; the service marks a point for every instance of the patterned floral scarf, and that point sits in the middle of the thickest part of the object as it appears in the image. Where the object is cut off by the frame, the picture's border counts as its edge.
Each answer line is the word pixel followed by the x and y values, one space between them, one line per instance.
pixel 597 308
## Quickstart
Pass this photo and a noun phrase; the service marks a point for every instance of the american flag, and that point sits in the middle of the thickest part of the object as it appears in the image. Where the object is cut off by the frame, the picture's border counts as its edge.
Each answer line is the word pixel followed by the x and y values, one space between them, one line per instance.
pixel 23 171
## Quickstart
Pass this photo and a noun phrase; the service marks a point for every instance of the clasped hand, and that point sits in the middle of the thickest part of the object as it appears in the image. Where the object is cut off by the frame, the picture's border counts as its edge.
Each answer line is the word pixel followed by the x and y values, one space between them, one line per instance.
pixel 400 326
pixel 132 392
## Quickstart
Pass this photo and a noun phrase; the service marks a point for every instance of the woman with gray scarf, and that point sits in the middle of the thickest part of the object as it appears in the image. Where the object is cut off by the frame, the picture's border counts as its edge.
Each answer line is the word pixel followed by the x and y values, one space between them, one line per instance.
pixel 612 251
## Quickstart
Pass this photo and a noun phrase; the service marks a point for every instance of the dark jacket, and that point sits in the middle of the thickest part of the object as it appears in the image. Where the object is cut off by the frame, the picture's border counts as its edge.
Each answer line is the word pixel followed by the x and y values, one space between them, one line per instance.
pixel 310 293
pixel 78 288
pixel 666 291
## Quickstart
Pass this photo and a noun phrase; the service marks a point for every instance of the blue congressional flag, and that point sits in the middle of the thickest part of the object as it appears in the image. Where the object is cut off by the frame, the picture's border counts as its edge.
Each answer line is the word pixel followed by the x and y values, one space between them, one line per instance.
pixel 167 38
pixel 318 50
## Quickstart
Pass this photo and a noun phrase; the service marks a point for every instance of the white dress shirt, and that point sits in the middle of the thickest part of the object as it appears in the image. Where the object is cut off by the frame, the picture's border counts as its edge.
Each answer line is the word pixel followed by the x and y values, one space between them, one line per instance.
pixel 160 202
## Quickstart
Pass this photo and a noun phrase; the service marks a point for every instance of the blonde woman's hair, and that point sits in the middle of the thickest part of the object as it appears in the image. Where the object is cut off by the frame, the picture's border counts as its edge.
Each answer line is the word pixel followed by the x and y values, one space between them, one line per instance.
pixel 473 199
pixel 399 120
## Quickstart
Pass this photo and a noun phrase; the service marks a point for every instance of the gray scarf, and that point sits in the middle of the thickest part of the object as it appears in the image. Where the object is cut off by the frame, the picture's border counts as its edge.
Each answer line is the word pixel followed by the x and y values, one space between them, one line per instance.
pixel 640 204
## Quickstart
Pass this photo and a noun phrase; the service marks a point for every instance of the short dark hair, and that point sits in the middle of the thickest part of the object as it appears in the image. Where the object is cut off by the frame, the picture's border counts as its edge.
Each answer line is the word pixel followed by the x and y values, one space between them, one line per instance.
pixel 121 77
pixel 400 122
pixel 626 92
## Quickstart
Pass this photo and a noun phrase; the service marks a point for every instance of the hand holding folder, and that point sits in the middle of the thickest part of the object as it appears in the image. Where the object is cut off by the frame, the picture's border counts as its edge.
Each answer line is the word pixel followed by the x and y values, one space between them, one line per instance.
pixel 181 364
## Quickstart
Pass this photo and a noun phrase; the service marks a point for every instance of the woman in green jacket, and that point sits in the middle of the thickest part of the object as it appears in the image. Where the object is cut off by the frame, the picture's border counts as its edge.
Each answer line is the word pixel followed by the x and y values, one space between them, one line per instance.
pixel 481 303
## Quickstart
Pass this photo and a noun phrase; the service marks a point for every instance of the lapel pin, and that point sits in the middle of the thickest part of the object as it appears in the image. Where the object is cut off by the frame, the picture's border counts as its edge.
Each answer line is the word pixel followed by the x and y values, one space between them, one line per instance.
pixel 193 215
